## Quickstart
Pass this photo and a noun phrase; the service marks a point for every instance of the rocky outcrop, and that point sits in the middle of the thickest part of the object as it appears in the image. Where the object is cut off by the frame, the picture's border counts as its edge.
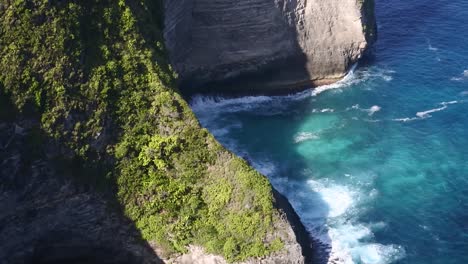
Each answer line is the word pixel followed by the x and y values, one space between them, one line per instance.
pixel 297 244
pixel 280 43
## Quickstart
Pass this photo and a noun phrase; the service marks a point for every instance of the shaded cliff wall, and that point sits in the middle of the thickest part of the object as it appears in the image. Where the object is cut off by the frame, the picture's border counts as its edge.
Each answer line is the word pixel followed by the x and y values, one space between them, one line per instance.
pixel 293 41
pixel 47 218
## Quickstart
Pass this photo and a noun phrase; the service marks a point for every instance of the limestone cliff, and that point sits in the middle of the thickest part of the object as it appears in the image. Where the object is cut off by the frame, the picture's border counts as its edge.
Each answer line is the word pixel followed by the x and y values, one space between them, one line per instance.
pixel 284 43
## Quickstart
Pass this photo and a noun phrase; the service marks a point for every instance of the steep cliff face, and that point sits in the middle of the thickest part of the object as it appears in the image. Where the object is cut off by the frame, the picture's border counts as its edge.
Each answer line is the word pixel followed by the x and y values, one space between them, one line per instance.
pixel 101 159
pixel 292 42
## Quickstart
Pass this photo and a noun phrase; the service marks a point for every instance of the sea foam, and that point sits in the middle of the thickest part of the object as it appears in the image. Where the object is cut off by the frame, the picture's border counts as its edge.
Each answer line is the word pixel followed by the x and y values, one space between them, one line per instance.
pixel 427 113
pixel 305 136
pixel 463 76
pixel 429 46
pixel 346 237
pixel 346 81
pixel 374 109
pixel 271 105
pixel 371 111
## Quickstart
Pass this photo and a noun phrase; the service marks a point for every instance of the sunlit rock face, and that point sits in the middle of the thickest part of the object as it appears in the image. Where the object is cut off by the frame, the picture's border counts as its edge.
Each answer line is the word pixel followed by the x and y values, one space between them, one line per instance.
pixel 290 42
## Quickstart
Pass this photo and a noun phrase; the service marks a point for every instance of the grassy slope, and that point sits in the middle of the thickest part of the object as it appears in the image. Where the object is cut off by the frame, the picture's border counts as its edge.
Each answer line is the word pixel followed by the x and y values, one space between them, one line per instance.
pixel 95 73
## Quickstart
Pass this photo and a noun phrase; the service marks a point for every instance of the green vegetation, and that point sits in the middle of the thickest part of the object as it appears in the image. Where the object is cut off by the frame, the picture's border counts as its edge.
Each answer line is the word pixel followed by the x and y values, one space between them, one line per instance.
pixel 95 74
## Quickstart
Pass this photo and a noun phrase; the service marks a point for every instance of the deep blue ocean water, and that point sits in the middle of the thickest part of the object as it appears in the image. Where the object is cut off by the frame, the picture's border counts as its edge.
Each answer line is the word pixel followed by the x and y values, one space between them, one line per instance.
pixel 376 165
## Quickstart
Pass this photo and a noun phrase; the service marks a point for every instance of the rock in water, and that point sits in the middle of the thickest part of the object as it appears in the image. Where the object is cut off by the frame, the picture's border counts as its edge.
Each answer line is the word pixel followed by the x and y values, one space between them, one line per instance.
pixel 281 43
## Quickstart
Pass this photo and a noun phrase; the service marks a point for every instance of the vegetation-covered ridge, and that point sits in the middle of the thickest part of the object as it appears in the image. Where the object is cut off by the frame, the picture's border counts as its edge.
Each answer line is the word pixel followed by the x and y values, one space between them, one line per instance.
pixel 95 74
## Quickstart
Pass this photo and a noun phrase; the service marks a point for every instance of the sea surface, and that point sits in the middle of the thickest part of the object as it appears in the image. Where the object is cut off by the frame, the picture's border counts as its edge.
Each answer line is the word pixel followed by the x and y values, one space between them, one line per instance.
pixel 377 164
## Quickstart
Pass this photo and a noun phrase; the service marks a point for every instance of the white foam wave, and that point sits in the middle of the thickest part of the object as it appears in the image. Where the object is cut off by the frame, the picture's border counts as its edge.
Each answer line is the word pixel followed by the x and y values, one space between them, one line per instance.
pixel 203 103
pixel 463 76
pixel 449 103
pixel 372 120
pixel 420 115
pixel 371 111
pixel 430 47
pixel 210 106
pixel 347 239
pixel 338 198
pixel 325 110
pixel 356 106
pixel 349 249
pixel 387 78
pixel 346 81
pixel 426 114
pixel 405 119
pixel 374 109
pixel 305 136
pixel 354 77
pixel 267 105
pixel 377 73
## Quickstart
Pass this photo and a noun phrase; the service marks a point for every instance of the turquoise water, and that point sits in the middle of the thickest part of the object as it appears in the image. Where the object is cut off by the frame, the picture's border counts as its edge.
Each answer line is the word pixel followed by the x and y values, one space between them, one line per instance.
pixel 376 165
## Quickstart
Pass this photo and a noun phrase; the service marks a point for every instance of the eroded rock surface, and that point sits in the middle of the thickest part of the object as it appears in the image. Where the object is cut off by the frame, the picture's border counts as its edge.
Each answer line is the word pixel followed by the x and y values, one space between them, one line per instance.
pixel 291 42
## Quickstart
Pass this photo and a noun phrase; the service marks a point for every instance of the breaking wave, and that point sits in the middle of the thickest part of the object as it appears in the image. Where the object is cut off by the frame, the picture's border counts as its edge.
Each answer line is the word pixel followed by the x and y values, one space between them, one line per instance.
pixel 330 212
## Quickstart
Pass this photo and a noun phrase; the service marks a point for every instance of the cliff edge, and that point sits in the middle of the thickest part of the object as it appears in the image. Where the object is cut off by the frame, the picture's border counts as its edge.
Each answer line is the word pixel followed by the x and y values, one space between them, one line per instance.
pixel 274 44
pixel 102 160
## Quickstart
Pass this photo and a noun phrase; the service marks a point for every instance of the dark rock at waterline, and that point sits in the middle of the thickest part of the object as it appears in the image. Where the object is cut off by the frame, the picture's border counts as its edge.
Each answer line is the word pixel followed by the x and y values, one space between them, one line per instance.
pixel 302 235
